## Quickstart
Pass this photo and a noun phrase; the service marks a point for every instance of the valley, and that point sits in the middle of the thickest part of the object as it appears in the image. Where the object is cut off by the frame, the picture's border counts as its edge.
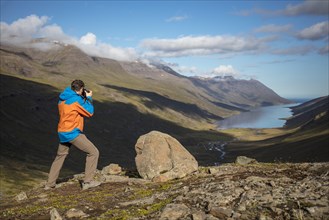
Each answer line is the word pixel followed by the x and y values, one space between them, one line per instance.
pixel 131 99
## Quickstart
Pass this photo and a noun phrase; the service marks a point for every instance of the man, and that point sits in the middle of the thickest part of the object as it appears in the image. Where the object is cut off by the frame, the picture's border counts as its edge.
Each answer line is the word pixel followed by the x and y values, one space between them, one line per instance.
pixel 74 104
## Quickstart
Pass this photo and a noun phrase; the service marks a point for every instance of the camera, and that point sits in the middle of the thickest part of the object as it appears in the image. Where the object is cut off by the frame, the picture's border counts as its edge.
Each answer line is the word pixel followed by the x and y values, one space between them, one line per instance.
pixel 84 93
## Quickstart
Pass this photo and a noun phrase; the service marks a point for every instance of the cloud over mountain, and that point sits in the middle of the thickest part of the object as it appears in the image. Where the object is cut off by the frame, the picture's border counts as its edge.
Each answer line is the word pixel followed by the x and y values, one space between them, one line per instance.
pixel 24 30
pixel 88 39
pixel 225 70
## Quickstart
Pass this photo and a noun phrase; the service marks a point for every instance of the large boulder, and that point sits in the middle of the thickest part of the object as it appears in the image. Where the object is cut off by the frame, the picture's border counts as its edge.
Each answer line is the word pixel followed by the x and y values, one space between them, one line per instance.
pixel 161 157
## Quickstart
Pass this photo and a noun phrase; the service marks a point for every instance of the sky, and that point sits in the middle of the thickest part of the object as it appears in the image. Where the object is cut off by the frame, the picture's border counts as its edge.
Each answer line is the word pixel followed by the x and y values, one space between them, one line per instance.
pixel 283 44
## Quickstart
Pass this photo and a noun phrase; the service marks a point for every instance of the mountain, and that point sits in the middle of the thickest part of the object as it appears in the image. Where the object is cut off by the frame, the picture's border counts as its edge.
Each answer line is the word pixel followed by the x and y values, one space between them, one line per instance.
pixel 130 98
pixel 58 65
pixel 239 93
pixel 308 114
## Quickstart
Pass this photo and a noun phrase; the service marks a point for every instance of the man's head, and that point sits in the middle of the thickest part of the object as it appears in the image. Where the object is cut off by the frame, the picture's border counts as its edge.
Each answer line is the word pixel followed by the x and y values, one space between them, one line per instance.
pixel 77 85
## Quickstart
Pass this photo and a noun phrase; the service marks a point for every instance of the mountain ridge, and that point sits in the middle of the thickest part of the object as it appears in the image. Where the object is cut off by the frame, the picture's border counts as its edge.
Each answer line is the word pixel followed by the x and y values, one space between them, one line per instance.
pixel 71 60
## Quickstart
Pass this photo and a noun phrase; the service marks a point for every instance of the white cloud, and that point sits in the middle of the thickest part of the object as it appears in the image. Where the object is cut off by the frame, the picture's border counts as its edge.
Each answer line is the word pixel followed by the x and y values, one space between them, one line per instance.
pixel 176 18
pixel 225 70
pixel 29 25
pixel 108 51
pixel 272 28
pixel 186 70
pixel 200 45
pixel 308 7
pixel 24 30
pixel 315 32
pixel 88 39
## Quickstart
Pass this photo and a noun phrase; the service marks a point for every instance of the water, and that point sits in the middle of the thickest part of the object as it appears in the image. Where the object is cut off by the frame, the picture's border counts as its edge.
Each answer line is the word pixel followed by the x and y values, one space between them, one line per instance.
pixel 263 117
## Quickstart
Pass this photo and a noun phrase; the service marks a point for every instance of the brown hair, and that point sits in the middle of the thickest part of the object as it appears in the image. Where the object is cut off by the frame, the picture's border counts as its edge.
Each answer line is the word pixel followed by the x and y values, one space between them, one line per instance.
pixel 77 84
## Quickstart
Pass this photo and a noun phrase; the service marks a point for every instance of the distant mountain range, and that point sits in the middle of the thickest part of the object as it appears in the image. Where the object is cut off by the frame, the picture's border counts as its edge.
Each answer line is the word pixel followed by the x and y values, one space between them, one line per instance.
pixel 58 65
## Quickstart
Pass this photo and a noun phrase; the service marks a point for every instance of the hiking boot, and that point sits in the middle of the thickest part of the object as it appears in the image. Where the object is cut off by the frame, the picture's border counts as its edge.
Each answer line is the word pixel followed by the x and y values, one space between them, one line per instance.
pixel 90 185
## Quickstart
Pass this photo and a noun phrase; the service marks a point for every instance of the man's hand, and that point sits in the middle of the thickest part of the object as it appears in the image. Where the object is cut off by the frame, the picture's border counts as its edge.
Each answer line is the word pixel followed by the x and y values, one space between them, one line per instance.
pixel 89 93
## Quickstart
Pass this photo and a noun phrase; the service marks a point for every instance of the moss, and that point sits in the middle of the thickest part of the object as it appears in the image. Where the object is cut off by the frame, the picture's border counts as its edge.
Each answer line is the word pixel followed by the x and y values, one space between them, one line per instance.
pixel 115 214
pixel 154 207
pixel 165 186
pixel 142 193
pixel 99 197
pixel 133 211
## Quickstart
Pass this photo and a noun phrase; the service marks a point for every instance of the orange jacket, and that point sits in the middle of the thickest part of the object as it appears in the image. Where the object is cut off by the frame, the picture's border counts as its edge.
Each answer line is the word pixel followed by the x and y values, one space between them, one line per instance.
pixel 72 110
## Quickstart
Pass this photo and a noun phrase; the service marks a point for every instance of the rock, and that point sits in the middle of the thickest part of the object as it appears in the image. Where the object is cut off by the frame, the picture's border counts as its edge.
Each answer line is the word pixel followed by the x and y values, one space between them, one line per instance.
pixel 198 215
pixel 311 210
pixel 161 178
pixel 115 178
pixel 242 207
pixel 20 197
pixel 144 201
pixel 264 217
pixel 174 211
pixel 243 160
pixel 75 213
pixel 112 169
pixel 211 217
pixel 221 212
pixel 54 215
pixel 161 157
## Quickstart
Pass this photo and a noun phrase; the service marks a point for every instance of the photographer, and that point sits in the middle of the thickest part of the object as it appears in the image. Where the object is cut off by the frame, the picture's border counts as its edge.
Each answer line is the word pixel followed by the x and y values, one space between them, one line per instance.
pixel 74 104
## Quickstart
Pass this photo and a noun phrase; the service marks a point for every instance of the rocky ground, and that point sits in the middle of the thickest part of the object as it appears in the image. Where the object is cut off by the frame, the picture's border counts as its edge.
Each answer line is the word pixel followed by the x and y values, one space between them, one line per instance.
pixel 229 191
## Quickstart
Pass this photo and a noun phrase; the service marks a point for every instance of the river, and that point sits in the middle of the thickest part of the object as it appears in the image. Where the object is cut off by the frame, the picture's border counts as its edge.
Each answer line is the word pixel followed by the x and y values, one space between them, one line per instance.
pixel 262 117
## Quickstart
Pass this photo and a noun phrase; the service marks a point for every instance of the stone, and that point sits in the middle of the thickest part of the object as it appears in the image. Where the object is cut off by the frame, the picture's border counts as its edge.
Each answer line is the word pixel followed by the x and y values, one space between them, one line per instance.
pixel 243 160
pixel 21 196
pixel 75 213
pixel 161 157
pixel 160 179
pixel 198 215
pixel 263 217
pixel 54 215
pixel 221 212
pixel 112 169
pixel 174 211
pixel 144 201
